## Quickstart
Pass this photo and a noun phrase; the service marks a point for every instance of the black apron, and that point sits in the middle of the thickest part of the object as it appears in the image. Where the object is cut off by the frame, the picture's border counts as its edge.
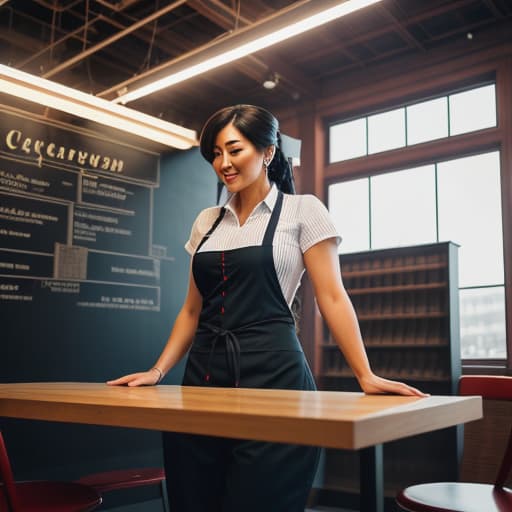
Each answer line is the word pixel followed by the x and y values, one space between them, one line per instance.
pixel 246 337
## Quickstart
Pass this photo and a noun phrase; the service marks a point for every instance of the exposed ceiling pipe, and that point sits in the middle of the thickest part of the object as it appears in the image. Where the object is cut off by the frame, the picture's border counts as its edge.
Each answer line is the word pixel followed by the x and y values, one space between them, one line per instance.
pixel 61 40
pixel 121 6
pixel 74 34
pixel 55 7
pixel 288 73
pixel 110 40
pixel 231 35
pixel 114 7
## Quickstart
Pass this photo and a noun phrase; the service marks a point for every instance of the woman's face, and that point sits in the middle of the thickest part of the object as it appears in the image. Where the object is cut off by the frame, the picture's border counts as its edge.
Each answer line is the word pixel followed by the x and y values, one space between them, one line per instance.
pixel 237 162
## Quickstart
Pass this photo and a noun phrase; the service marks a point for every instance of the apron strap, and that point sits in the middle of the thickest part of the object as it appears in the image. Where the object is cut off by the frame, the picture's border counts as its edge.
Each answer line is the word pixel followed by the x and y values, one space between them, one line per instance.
pixel 213 228
pixel 274 218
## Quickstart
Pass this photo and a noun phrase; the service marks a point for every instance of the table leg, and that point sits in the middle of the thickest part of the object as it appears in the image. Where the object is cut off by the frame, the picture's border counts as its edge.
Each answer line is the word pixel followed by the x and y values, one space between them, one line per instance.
pixel 372 479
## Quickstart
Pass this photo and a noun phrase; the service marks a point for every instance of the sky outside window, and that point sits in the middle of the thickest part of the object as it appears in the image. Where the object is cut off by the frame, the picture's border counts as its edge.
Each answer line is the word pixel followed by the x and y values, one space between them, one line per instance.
pixel 386 131
pixel 473 110
pixel 470 215
pixel 347 140
pixel 427 121
pixel 349 207
pixel 403 208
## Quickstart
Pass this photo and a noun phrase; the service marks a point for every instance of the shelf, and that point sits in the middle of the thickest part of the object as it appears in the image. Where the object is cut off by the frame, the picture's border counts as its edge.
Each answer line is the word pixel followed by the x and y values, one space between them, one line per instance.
pixel 409 377
pixel 396 289
pixel 392 270
pixel 406 301
pixel 401 316
pixel 397 345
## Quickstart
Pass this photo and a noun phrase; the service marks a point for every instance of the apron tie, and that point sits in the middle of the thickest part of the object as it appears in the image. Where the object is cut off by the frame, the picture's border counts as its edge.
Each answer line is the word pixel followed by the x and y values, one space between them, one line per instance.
pixel 232 351
pixel 232 342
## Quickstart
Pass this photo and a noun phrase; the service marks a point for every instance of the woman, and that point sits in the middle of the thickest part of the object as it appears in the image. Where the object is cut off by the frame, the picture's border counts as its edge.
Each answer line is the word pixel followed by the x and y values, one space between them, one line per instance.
pixel 247 261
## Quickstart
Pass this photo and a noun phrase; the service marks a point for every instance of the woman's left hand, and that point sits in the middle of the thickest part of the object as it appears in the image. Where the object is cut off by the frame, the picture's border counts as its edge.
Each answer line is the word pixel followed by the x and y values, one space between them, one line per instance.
pixel 373 385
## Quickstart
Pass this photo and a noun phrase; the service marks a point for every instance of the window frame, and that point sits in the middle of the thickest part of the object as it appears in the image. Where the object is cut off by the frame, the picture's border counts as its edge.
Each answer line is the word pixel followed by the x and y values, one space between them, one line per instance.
pixel 454 146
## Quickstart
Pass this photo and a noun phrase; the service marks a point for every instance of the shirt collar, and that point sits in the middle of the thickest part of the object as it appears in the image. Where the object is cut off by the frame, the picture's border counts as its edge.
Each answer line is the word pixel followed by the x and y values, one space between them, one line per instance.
pixel 269 201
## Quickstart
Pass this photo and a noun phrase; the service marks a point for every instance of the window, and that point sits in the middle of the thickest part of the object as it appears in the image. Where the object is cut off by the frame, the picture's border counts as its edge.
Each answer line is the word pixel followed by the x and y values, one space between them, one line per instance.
pixel 403 208
pixel 348 140
pixel 428 204
pixel 427 121
pixel 471 216
pixel 350 209
pixel 386 131
pixel 482 322
pixel 472 110
pixel 450 115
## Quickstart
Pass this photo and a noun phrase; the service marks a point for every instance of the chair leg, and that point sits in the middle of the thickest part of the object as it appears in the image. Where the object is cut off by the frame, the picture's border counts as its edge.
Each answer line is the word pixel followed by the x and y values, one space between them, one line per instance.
pixel 165 499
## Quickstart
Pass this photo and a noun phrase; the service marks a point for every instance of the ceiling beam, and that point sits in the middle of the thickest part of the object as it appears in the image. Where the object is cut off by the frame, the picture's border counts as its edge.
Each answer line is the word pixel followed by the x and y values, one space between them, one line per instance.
pixel 225 17
pixel 74 34
pixel 112 39
pixel 494 9
pixel 400 28
pixel 427 14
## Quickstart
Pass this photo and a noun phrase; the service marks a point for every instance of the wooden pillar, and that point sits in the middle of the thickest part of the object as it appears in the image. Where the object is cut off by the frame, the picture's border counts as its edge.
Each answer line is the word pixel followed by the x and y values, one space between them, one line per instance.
pixel 504 101
pixel 311 181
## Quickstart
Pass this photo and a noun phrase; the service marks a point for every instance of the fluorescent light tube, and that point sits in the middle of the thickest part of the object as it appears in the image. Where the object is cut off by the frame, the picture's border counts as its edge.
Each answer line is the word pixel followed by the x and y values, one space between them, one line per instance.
pixel 257 42
pixel 51 94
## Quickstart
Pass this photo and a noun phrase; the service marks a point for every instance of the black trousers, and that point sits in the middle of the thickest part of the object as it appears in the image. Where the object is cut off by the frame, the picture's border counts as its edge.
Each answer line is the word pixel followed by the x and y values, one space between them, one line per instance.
pixel 207 474
pixel 213 474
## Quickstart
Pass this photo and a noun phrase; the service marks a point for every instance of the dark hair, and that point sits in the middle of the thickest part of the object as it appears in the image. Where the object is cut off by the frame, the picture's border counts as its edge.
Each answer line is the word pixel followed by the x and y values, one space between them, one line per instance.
pixel 261 128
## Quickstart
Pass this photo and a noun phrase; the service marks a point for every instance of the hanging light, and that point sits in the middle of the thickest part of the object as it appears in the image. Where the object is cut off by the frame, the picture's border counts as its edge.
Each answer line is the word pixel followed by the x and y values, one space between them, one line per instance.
pixel 271 81
pixel 51 94
pixel 285 24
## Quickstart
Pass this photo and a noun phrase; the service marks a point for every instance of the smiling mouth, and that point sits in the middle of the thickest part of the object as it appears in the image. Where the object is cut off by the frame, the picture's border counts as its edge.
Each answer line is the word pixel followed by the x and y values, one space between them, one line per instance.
pixel 228 178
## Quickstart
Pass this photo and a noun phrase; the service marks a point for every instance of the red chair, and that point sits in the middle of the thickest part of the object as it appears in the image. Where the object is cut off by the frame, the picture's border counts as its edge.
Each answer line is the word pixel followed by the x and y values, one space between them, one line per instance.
pixel 472 497
pixel 42 496
pixel 126 479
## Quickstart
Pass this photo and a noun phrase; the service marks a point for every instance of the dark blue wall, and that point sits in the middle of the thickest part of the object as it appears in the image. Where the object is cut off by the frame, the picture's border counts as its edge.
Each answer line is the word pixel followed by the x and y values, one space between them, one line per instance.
pixel 64 343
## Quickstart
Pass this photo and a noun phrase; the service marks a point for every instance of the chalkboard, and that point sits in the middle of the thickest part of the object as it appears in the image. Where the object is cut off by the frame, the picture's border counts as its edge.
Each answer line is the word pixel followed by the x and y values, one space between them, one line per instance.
pixel 76 215
pixel 111 320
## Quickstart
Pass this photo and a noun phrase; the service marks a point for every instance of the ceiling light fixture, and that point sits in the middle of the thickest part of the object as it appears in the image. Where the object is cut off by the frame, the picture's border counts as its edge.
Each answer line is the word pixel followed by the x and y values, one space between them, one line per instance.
pixel 51 94
pixel 285 24
pixel 271 81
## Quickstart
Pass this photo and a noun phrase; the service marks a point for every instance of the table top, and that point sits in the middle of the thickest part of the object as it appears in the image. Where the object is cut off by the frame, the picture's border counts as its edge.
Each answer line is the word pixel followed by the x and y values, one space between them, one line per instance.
pixel 322 418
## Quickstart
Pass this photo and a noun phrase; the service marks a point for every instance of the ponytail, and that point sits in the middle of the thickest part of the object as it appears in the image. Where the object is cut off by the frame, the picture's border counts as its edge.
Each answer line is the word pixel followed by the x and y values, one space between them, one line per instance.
pixel 280 170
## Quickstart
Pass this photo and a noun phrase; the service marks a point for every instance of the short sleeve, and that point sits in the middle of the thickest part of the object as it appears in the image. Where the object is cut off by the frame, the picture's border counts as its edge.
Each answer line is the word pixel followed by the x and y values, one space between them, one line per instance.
pixel 316 223
pixel 200 227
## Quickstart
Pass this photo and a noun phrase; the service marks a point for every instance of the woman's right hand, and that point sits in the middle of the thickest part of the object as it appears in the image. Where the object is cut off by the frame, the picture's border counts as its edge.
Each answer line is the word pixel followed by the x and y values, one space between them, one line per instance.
pixel 148 378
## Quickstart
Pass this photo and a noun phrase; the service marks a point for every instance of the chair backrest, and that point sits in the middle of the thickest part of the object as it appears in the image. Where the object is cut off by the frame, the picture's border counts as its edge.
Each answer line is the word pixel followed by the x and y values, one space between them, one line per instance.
pixel 492 434
pixel 7 478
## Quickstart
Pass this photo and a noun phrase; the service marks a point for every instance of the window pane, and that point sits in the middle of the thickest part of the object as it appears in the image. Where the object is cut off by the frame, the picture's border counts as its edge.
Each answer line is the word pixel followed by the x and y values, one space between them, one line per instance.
pixel 348 204
pixel 403 208
pixel 427 121
pixel 473 110
pixel 347 140
pixel 469 196
pixel 386 131
pixel 482 323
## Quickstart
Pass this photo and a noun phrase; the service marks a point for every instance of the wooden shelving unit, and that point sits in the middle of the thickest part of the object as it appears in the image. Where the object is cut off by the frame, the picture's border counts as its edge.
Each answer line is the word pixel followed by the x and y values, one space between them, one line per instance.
pixel 406 301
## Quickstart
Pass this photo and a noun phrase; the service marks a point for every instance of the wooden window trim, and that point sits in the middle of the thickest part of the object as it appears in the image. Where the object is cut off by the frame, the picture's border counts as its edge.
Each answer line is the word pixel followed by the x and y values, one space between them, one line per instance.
pixel 496 138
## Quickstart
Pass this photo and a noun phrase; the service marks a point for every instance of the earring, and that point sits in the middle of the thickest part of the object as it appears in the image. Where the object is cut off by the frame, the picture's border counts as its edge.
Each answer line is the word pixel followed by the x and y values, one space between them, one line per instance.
pixel 266 163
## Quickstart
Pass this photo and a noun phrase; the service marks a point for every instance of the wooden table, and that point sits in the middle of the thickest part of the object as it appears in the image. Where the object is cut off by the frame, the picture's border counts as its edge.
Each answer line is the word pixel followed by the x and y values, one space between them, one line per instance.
pixel 351 421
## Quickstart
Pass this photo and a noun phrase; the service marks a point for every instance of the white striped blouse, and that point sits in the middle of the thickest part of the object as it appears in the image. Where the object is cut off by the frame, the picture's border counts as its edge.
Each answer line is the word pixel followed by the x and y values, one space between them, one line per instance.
pixel 304 221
